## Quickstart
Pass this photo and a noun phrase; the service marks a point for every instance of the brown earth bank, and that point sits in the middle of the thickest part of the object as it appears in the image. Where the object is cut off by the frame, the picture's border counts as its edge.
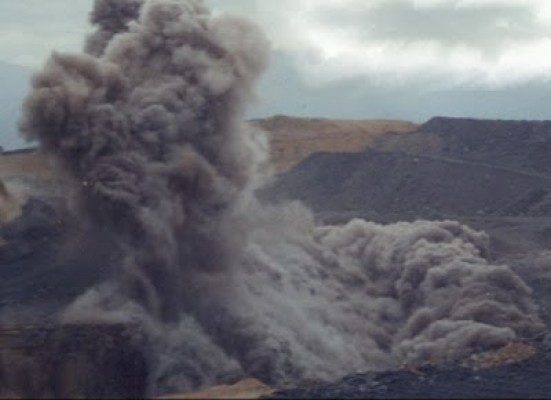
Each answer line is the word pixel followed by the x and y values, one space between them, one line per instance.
pixel 292 138
pixel 246 389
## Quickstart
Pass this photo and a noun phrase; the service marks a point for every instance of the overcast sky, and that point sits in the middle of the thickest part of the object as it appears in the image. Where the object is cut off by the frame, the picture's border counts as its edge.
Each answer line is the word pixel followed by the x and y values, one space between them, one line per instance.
pixel 445 43
pixel 407 59
pixel 485 43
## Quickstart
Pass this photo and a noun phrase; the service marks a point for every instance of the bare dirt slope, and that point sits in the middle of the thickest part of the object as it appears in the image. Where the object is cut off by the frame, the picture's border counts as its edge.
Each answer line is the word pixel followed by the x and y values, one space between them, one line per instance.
pixel 293 139
pixel 24 162
pixel 25 174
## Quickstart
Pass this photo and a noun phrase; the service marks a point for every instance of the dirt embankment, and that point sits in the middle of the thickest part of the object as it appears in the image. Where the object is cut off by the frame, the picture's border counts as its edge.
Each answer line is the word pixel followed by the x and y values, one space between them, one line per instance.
pixel 25 174
pixel 293 139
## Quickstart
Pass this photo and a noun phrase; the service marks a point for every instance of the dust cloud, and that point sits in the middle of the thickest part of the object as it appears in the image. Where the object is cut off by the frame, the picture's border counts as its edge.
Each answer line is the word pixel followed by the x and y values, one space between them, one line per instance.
pixel 149 123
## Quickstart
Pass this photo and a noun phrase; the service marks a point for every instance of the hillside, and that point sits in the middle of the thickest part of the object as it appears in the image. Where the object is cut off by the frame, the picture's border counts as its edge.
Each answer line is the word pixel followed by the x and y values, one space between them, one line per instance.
pixel 491 175
pixel 522 145
pixel 448 167
pixel 292 139
pixel 405 186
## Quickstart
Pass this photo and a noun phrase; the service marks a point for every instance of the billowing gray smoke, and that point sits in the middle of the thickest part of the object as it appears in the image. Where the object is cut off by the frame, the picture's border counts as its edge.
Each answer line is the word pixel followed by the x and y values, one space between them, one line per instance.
pixel 149 124
pixel 152 131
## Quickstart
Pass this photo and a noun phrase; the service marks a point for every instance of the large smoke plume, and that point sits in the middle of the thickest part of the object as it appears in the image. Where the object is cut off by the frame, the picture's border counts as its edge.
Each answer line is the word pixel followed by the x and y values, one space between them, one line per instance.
pixel 149 123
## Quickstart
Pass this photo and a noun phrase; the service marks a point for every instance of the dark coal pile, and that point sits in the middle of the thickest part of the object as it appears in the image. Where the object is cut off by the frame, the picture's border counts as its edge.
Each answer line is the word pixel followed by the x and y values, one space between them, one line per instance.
pixel 172 242
pixel 526 379
pixel 394 186
pixel 449 168
pixel 519 145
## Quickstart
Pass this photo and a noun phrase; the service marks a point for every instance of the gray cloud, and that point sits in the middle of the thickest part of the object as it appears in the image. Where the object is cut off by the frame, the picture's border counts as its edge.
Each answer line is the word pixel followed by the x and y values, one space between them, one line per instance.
pixel 395 42
pixel 489 26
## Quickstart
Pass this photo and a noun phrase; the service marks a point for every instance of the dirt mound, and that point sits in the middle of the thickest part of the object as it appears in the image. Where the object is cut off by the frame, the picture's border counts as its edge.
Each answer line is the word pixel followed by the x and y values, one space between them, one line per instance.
pixel 246 389
pixel 510 353
pixel 293 139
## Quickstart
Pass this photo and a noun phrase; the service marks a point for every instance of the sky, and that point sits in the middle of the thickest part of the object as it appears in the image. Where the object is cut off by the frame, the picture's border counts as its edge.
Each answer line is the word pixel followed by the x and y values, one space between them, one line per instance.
pixel 400 59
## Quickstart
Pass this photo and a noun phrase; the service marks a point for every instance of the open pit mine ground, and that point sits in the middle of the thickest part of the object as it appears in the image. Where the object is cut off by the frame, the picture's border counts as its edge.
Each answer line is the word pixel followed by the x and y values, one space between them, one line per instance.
pixel 493 176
